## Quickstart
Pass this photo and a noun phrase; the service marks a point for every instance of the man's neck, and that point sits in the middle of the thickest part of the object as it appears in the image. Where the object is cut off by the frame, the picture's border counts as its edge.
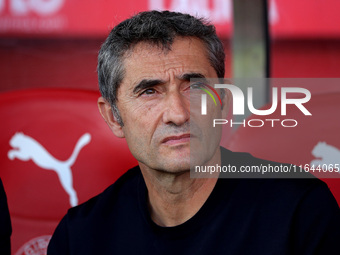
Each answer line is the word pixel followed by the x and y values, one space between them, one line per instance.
pixel 175 198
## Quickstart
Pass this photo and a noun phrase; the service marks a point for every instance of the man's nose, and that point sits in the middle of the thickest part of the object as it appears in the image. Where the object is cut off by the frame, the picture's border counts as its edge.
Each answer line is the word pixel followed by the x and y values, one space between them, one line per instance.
pixel 177 109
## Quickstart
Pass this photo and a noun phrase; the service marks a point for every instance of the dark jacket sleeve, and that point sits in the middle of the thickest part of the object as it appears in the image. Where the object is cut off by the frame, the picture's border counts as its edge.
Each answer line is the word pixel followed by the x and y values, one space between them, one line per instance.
pixel 5 224
pixel 59 243
pixel 317 223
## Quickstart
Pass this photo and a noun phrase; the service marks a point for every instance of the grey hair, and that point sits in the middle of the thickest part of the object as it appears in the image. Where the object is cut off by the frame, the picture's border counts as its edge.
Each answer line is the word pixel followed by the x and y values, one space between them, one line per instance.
pixel 156 28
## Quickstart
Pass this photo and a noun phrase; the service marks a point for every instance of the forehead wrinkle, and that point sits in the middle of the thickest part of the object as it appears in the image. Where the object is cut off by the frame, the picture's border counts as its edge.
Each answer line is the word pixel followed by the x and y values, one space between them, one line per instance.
pixel 163 65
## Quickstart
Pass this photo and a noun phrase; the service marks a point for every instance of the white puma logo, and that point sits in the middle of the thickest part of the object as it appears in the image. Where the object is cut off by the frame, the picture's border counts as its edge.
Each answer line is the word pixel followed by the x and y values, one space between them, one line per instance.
pixel 26 148
pixel 273 12
pixel 327 155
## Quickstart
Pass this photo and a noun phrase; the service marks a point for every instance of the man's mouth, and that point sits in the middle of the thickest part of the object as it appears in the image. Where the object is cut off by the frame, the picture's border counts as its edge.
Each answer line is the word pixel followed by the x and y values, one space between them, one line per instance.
pixel 173 140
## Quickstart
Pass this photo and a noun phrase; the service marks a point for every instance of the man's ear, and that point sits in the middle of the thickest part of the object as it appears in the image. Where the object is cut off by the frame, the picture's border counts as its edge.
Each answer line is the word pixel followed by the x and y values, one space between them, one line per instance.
pixel 226 100
pixel 105 110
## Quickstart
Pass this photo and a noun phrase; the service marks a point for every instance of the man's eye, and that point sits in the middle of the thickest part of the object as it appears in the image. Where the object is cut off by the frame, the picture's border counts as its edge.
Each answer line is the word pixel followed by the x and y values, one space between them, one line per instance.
pixel 148 92
pixel 197 85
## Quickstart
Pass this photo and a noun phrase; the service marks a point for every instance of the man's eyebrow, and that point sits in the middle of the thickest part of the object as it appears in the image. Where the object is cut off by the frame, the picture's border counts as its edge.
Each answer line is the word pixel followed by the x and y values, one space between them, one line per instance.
pixel 145 83
pixel 188 76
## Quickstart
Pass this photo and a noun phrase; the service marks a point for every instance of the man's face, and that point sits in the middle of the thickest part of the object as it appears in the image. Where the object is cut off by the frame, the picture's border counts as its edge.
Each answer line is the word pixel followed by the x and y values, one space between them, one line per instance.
pixel 154 104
